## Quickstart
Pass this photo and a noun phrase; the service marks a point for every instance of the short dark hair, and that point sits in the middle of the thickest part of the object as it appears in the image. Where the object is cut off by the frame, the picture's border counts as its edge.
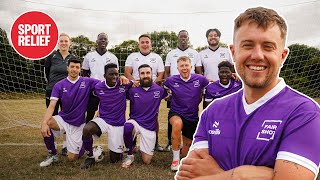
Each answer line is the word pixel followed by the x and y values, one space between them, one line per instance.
pixel 225 64
pixel 102 33
pixel 215 29
pixel 74 60
pixel 109 66
pixel 182 32
pixel 263 17
pixel 144 35
pixel 144 66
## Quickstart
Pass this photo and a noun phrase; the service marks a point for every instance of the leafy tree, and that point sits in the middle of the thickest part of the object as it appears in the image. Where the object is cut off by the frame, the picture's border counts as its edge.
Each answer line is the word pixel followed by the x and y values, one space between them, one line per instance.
pixel 81 45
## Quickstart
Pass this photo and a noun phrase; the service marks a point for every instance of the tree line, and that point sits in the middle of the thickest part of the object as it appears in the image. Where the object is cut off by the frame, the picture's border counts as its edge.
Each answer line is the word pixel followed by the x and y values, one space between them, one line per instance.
pixel 301 69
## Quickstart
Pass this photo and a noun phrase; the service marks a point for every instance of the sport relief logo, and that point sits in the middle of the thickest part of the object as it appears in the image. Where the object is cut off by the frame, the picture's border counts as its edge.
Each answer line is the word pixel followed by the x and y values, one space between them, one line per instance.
pixel 268 130
pixel 34 35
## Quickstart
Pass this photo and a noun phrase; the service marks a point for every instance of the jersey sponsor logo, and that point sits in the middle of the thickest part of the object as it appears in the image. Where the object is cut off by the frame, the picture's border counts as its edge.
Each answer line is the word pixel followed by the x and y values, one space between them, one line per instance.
pixel 136 59
pixel 93 60
pixel 205 56
pixel 268 130
pixel 136 95
pixel 64 90
pixel 153 60
pixel 176 85
pixel 121 90
pixel 215 131
pixel 108 60
pixel 156 94
pixel 101 92
pixel 217 94
pixel 190 55
pixel 196 83
pixel 222 55
pixel 82 85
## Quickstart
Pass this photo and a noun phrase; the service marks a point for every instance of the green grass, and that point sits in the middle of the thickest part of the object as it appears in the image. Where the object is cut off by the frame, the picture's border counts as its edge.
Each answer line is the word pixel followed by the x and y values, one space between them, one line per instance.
pixel 20 123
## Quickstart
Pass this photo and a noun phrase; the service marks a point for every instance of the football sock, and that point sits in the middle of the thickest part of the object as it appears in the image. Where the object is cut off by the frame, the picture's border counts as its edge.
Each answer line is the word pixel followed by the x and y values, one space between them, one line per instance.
pixel 176 155
pixel 49 141
pixel 87 144
pixel 127 136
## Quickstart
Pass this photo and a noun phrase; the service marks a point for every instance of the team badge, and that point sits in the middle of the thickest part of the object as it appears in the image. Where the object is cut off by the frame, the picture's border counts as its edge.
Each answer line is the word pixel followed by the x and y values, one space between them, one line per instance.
pixel 152 60
pixel 82 85
pixel 222 55
pixel 196 83
pixel 121 90
pixel 268 129
pixel 190 55
pixel 156 94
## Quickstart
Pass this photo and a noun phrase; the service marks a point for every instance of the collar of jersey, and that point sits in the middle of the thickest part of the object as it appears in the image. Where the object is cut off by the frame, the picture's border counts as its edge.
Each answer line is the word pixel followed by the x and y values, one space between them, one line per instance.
pixel 105 82
pixel 214 50
pixel 185 80
pixel 73 82
pixel 183 50
pixel 249 108
pixel 145 54
pixel 225 86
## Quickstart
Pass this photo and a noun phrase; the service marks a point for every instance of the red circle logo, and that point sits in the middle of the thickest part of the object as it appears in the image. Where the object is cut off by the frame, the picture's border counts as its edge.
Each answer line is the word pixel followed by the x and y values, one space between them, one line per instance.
pixel 34 35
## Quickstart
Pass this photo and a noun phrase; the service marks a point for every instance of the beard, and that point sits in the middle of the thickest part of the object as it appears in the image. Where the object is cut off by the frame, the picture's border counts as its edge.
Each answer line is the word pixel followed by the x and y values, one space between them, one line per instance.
pixel 146 82
pixel 213 44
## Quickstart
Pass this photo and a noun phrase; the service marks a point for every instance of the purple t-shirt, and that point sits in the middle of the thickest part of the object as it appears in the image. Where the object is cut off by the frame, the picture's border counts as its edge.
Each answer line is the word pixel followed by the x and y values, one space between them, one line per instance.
pixel 215 90
pixel 112 108
pixel 186 95
pixel 144 105
pixel 74 97
pixel 286 126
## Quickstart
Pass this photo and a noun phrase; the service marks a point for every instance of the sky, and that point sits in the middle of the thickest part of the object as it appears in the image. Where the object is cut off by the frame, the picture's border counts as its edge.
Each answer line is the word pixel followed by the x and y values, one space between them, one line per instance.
pixel 123 20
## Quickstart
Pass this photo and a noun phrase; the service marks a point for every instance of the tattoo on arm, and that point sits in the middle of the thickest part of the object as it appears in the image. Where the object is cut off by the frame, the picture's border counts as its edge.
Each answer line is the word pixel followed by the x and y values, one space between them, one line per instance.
pixel 295 164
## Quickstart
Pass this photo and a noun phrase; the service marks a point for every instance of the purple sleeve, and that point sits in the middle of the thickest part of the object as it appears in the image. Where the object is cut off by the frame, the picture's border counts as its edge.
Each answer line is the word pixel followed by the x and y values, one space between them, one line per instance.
pixel 167 83
pixel 300 142
pixel 205 82
pixel 208 95
pixel 164 93
pixel 56 91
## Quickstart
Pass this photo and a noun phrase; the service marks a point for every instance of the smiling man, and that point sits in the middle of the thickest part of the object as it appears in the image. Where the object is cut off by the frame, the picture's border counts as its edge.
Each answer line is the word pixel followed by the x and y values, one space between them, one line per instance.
pixel 224 86
pixel 145 56
pixel 186 91
pixel 112 116
pixel 265 131
pixel 93 66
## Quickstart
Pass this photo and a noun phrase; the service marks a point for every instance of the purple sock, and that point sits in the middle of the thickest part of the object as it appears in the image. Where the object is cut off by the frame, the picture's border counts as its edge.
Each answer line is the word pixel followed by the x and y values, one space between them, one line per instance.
pixel 49 141
pixel 127 136
pixel 81 152
pixel 87 145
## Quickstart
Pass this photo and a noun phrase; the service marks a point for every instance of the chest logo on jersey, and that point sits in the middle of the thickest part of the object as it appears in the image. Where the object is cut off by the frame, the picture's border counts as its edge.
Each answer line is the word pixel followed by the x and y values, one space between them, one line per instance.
pixel 268 130
pixel 176 85
pixel 217 94
pixel 196 83
pixel 93 60
pixel 108 60
pixel 136 95
pixel 153 60
pixel 222 55
pixel 136 59
pixel 156 94
pixel 205 56
pixel 121 90
pixel 175 56
pixel 190 55
pixel 64 90
pixel 216 130
pixel 101 92
pixel 82 85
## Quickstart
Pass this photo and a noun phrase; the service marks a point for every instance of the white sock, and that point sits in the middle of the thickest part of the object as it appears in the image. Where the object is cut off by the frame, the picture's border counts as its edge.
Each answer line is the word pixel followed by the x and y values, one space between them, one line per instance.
pixel 131 156
pixel 176 155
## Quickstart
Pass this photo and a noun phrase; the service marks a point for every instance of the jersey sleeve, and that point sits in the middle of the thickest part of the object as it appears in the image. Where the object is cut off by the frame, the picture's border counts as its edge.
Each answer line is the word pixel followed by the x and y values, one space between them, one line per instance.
pixel 56 92
pixel 197 60
pixel 129 60
pixel 166 83
pixel 160 64
pixel 85 63
pixel 208 96
pixel 201 135
pixel 168 60
pixel 300 143
pixel 205 82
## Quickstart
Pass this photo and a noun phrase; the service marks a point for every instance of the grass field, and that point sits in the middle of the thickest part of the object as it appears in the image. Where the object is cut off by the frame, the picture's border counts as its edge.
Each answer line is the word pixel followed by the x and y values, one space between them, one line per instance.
pixel 22 149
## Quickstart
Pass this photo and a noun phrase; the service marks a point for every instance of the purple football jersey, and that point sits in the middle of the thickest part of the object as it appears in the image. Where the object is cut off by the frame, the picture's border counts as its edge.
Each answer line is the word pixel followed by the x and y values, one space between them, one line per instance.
pixel 74 97
pixel 215 90
pixel 186 95
pixel 279 126
pixel 112 108
pixel 144 105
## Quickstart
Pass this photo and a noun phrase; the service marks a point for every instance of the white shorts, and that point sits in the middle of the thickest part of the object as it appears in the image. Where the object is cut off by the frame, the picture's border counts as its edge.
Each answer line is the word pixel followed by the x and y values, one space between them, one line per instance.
pixel 115 134
pixel 147 137
pixel 73 134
